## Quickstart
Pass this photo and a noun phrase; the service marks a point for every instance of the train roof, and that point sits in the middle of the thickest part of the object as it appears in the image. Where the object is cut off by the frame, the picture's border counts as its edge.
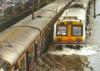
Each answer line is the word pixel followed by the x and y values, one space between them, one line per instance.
pixel 75 12
pixel 36 23
pixel 80 4
pixel 19 38
pixel 40 20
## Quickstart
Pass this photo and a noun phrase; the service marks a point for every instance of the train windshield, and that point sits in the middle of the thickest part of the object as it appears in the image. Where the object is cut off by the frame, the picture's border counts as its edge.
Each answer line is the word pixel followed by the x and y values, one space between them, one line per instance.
pixel 77 30
pixel 61 30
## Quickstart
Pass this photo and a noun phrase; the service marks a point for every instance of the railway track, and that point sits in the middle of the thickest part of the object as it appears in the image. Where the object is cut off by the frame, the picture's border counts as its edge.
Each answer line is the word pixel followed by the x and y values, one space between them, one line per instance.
pixel 7 23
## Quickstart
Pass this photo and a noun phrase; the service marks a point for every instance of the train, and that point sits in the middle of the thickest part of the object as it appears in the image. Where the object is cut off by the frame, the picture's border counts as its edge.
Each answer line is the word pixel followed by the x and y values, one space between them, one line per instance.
pixel 23 43
pixel 73 26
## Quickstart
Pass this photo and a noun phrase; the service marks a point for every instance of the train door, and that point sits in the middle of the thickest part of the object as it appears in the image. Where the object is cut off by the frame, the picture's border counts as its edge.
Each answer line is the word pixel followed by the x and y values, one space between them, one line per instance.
pixel 43 41
pixel 37 46
pixel 30 58
pixel 35 52
pixel 22 63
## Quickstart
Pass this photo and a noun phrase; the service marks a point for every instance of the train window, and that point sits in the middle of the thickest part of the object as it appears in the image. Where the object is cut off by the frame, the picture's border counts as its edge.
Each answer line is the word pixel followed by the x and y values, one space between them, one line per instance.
pixel 77 30
pixel 30 55
pixel 61 30
pixel 22 64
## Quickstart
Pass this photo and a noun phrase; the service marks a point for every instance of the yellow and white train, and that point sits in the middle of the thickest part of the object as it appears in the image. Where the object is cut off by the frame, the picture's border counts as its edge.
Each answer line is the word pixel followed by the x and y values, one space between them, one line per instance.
pixel 70 29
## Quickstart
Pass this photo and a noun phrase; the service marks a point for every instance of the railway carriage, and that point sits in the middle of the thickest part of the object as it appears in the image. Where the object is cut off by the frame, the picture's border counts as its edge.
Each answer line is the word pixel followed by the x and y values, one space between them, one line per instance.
pixel 22 44
pixel 70 29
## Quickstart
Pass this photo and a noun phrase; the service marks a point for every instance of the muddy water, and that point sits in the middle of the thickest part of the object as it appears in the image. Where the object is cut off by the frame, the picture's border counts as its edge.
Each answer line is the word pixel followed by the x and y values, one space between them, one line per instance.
pixel 49 62
pixel 54 60
pixel 63 60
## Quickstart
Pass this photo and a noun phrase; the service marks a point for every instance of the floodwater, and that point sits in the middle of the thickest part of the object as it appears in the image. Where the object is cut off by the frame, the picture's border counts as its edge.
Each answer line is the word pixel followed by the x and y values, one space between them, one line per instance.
pixel 92 53
pixel 94 40
pixel 85 51
pixel 85 59
pixel 92 50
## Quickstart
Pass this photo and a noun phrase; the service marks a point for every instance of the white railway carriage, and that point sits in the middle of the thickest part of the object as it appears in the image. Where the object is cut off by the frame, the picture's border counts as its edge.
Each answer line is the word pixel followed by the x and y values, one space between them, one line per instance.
pixel 21 44
pixel 70 29
pixel 18 50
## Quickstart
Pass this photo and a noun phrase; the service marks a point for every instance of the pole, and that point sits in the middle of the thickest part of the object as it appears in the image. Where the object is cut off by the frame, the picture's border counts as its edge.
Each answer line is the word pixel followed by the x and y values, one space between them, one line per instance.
pixel 38 4
pixel 32 9
pixel 94 8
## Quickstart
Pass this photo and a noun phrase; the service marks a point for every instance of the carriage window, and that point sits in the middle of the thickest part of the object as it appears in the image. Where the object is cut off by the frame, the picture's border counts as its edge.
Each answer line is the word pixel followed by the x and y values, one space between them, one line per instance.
pixel 77 30
pixel 22 64
pixel 61 30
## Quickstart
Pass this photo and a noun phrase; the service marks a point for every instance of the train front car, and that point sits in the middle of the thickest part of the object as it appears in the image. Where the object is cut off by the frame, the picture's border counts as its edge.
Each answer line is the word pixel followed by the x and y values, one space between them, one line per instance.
pixel 69 30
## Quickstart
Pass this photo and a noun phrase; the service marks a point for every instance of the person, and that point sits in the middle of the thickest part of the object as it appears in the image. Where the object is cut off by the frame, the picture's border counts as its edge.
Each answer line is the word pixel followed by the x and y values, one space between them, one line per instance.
pixel 90 31
pixel 35 51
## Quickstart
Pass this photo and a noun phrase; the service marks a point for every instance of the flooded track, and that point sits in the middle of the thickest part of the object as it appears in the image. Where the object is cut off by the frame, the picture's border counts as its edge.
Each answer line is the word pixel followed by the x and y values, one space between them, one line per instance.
pixel 52 62
pixel 71 61
pixel 63 60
